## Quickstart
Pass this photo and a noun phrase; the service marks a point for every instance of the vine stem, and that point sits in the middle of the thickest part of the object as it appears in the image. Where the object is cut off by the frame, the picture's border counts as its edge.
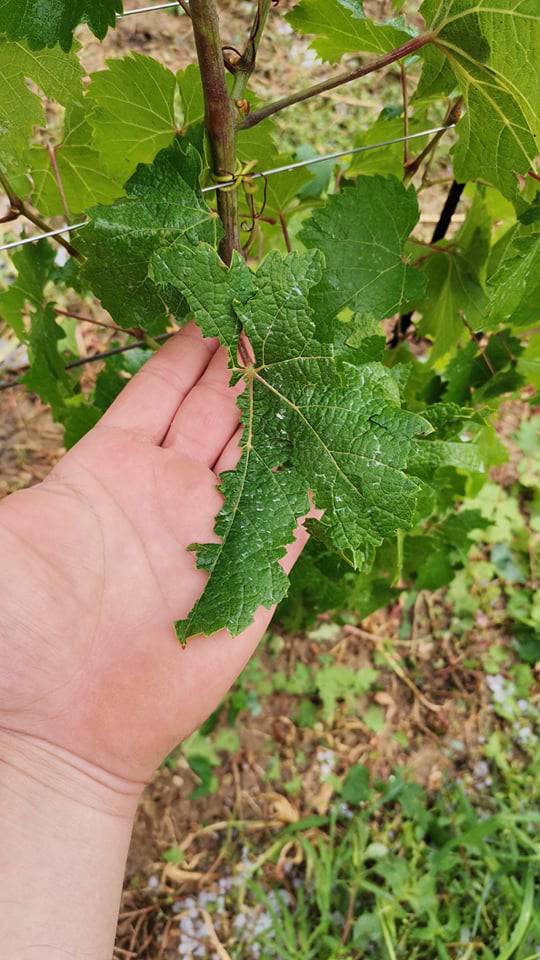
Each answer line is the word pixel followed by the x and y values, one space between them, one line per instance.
pixel 245 66
pixel 397 54
pixel 20 207
pixel 405 97
pixel 219 117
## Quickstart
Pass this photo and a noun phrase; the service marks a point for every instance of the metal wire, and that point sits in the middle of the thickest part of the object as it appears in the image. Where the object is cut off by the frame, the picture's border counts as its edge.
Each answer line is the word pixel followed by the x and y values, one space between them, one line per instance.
pixel 328 156
pixel 158 6
pixel 161 338
pixel 253 176
pixel 43 236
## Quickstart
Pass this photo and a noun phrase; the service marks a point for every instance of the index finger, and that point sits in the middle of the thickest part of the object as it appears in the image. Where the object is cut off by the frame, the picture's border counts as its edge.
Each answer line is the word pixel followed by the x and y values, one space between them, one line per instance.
pixel 149 402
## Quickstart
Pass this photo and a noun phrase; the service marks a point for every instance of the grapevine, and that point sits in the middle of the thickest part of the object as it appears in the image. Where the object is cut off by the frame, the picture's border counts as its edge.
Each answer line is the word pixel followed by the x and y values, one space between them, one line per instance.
pixel 374 358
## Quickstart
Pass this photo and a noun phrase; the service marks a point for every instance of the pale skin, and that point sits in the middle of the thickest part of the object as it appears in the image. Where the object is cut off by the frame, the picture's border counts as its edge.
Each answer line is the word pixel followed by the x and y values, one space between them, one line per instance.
pixel 94 687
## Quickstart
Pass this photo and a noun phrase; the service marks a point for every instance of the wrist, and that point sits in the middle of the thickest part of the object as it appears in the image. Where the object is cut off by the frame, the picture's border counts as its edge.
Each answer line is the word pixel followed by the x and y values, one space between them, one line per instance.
pixel 58 777
pixel 65 828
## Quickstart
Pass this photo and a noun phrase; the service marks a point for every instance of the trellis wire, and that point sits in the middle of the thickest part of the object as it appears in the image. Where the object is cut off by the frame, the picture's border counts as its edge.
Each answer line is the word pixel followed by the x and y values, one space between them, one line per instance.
pixel 140 344
pixel 159 6
pixel 252 176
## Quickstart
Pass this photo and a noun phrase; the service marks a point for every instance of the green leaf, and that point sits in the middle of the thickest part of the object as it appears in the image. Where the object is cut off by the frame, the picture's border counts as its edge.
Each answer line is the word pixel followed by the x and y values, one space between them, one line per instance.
pixel 340 682
pixel 49 22
pixel 211 288
pixel 434 453
pixel 355 787
pixel 529 363
pixel 341 26
pixel 387 160
pixel 327 425
pixel 131 106
pixel 514 288
pixel 47 376
pixel 34 264
pixel 57 74
pixel 83 180
pixel 488 50
pixel 455 299
pixel 163 204
pixel 362 233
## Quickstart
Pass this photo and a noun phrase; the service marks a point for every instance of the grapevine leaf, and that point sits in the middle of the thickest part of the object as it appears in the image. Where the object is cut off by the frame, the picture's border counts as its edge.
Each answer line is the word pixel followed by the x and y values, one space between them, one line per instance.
pixel 131 112
pixel 34 264
pixel 529 363
pixel 211 289
pixel 473 373
pixel 49 22
pixel 47 376
pixel 514 288
pixel 362 233
pixel 163 203
pixel 386 160
pixel 57 74
pixel 425 457
pixel 81 176
pixel 455 299
pixel 311 421
pixel 341 26
pixel 487 49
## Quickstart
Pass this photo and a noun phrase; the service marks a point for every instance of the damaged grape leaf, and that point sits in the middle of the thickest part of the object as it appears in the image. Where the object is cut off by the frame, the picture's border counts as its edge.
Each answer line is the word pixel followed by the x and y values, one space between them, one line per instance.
pixel 163 203
pixel 312 421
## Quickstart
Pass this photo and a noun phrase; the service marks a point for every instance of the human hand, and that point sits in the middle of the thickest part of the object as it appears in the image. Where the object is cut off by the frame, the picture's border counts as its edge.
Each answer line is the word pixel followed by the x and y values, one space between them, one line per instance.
pixel 95 570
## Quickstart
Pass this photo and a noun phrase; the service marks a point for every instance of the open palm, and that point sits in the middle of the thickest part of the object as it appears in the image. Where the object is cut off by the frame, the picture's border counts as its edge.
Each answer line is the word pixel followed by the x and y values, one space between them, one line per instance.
pixel 95 570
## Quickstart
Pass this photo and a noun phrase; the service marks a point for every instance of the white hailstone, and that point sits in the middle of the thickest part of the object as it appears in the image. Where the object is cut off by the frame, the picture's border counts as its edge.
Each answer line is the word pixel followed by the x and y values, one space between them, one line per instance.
pixel 153 882
pixel 523 705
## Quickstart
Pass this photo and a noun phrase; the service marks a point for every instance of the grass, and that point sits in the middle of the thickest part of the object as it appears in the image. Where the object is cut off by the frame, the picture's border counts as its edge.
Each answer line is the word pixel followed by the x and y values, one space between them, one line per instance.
pixel 401 876
pixel 340 854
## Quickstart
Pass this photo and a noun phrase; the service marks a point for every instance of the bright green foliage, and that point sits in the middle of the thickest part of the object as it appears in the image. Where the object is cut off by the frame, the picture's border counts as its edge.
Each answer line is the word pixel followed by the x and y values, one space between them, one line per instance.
pixel 362 233
pixel 33 264
pixel 210 288
pixel 47 376
pixel 58 75
pixel 163 204
pixel 341 26
pixel 372 427
pixel 84 181
pixel 489 51
pixel 514 288
pixel 340 682
pixel 455 299
pixel 331 427
pixel 49 22
pixel 132 113
pixel 387 160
